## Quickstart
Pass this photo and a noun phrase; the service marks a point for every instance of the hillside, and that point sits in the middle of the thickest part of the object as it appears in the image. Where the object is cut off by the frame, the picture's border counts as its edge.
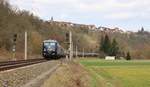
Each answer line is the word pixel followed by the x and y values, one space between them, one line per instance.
pixel 14 21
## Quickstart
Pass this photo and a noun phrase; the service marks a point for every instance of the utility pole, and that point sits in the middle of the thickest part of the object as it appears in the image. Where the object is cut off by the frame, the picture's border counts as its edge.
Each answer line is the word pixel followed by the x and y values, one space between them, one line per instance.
pixel 25 51
pixel 76 51
pixel 70 46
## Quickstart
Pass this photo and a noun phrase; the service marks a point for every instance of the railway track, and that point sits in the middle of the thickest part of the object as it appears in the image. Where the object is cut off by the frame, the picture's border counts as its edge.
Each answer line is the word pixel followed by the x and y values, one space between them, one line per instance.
pixel 7 65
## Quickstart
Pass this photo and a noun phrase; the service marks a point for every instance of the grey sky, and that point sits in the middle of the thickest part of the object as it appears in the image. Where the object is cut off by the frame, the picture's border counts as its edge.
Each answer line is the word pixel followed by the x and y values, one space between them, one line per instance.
pixel 125 14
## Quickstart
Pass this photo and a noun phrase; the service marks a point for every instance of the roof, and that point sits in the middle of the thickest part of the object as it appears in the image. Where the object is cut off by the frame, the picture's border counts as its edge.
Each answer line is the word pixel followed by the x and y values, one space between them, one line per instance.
pixel 50 41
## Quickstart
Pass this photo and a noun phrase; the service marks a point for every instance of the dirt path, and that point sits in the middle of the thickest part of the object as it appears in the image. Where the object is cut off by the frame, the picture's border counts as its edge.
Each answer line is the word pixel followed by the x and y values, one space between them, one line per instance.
pixel 68 75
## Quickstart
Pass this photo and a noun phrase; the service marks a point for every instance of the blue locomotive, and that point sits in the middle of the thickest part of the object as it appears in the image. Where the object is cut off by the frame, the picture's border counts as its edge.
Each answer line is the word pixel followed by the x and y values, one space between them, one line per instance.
pixel 52 49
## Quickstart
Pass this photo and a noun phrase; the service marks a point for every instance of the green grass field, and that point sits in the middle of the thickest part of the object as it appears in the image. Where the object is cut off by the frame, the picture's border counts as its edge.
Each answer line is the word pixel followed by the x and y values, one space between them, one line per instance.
pixel 119 73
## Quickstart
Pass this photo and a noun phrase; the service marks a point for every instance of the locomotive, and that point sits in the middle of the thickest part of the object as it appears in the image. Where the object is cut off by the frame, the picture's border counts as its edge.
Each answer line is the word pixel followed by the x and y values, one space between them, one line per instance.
pixel 51 49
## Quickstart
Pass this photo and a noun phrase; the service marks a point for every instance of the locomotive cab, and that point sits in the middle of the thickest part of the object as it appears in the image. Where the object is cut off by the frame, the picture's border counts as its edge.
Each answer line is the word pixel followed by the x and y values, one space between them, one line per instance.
pixel 49 48
pixel 52 49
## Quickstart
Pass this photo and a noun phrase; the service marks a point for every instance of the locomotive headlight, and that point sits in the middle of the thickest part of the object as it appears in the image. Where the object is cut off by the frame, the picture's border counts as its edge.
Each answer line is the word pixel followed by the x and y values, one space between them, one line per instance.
pixel 44 49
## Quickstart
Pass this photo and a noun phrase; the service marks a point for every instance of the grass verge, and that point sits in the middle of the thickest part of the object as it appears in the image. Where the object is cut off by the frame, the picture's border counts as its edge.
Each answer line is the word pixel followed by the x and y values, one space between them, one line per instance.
pixel 119 73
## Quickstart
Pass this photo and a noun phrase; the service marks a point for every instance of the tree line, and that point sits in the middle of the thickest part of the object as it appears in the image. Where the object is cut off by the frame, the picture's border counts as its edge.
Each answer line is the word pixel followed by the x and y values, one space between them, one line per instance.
pixel 111 48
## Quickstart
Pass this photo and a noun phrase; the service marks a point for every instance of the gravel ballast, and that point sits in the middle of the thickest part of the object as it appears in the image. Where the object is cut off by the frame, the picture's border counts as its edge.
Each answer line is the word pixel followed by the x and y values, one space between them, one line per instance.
pixel 21 76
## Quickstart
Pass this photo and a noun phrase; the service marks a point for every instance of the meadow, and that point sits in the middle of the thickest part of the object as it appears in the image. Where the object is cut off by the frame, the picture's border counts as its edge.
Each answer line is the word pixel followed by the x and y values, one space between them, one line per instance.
pixel 118 73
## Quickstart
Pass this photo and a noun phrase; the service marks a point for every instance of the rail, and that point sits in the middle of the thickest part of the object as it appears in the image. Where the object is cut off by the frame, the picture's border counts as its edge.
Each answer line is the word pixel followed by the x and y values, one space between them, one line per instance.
pixel 20 63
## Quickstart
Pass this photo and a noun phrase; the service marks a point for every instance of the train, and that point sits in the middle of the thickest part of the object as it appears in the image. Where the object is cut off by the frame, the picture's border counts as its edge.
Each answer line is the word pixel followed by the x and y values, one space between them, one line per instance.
pixel 51 49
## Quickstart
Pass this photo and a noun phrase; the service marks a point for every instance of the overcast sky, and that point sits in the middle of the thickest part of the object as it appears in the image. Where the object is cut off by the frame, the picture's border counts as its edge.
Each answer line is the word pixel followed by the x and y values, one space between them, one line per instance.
pixel 125 14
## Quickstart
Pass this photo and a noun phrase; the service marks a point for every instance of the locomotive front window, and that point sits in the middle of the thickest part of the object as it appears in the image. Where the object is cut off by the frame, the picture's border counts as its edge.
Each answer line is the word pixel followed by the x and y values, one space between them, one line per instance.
pixel 46 44
pixel 50 45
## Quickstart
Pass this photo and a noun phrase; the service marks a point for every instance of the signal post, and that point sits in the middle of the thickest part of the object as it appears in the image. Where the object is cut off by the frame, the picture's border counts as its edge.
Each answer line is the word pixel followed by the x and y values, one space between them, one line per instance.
pixel 14 47
pixel 70 45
